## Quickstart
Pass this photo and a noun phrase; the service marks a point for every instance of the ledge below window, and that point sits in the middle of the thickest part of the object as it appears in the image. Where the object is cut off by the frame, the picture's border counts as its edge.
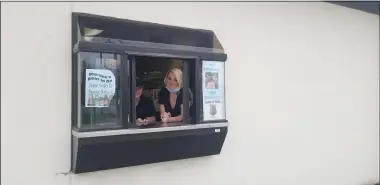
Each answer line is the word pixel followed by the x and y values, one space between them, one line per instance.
pixel 102 150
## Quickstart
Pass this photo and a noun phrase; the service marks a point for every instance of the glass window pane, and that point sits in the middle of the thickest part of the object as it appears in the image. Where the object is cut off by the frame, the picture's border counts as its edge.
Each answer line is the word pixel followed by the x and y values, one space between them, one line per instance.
pixel 100 90
pixel 213 91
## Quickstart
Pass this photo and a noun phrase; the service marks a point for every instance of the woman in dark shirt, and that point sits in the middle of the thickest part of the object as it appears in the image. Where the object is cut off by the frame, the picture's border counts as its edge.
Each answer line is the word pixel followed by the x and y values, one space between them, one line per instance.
pixel 170 97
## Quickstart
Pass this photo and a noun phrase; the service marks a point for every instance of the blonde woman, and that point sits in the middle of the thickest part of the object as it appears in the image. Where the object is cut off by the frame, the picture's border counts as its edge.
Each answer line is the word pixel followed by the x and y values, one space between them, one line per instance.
pixel 170 97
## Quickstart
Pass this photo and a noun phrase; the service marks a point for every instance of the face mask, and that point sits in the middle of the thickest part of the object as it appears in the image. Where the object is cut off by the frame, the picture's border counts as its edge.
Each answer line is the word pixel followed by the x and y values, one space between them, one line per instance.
pixel 173 90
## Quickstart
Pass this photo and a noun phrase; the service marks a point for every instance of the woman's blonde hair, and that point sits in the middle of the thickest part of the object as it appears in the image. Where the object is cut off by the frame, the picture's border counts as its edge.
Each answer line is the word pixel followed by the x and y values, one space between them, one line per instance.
pixel 178 76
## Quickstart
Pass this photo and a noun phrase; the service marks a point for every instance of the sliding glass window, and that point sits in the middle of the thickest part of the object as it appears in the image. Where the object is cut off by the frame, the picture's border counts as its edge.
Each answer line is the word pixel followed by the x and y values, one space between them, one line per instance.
pixel 98 90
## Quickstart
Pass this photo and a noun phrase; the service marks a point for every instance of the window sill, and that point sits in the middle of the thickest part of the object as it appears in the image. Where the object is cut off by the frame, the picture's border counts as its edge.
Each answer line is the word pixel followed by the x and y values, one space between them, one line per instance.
pixel 145 130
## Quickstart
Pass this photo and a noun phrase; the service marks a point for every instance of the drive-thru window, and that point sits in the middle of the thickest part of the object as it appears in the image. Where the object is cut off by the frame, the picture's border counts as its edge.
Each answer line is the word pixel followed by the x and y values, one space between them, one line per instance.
pixel 144 93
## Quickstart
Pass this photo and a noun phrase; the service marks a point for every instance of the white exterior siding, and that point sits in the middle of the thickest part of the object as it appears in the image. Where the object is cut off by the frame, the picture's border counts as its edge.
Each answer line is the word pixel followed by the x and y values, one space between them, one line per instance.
pixel 302 94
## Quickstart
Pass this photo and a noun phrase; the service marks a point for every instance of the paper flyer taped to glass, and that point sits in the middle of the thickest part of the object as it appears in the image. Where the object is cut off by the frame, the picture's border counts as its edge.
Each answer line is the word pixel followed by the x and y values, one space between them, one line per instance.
pixel 100 87
pixel 213 90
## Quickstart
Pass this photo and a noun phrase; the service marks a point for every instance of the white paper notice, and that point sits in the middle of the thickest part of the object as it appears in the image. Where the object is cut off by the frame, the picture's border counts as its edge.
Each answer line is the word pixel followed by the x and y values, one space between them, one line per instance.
pixel 100 87
pixel 213 90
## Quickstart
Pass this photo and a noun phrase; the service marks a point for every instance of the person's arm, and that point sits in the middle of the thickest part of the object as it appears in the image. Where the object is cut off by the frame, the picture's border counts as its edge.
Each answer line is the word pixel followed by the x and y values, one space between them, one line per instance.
pixel 162 100
pixel 151 119
pixel 162 109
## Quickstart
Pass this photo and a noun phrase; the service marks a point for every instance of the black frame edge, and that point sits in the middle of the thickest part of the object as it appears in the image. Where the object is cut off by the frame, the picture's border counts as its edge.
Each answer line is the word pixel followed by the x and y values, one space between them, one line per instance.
pixel 120 48
pixel 215 121
pixel 198 91
pixel 125 90
pixel 185 102
pixel 133 90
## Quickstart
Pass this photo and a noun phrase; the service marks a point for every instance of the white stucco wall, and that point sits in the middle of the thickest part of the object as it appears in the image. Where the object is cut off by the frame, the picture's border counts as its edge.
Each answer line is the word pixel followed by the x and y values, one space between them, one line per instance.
pixel 302 94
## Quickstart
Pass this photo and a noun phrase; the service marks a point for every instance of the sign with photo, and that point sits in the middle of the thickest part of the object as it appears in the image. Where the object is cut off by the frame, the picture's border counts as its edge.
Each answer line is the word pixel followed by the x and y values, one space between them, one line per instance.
pixel 213 90
pixel 100 87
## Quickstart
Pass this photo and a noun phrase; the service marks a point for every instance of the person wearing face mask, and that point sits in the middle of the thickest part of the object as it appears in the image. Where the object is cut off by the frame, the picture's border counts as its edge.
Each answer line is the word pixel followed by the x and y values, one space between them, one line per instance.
pixel 145 111
pixel 170 97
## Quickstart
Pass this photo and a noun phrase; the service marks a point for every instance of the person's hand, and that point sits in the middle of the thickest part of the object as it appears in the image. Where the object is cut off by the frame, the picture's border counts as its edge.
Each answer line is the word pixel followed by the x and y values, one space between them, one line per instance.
pixel 170 119
pixel 139 122
pixel 165 117
pixel 145 121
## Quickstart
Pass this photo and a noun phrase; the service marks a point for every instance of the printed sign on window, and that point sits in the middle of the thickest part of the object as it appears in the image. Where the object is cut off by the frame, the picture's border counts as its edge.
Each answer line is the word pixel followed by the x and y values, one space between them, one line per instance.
pixel 213 90
pixel 100 87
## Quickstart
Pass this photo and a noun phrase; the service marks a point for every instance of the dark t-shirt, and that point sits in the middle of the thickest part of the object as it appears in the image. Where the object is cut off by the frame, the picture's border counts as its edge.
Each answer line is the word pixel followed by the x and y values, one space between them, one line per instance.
pixel 145 108
pixel 164 99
